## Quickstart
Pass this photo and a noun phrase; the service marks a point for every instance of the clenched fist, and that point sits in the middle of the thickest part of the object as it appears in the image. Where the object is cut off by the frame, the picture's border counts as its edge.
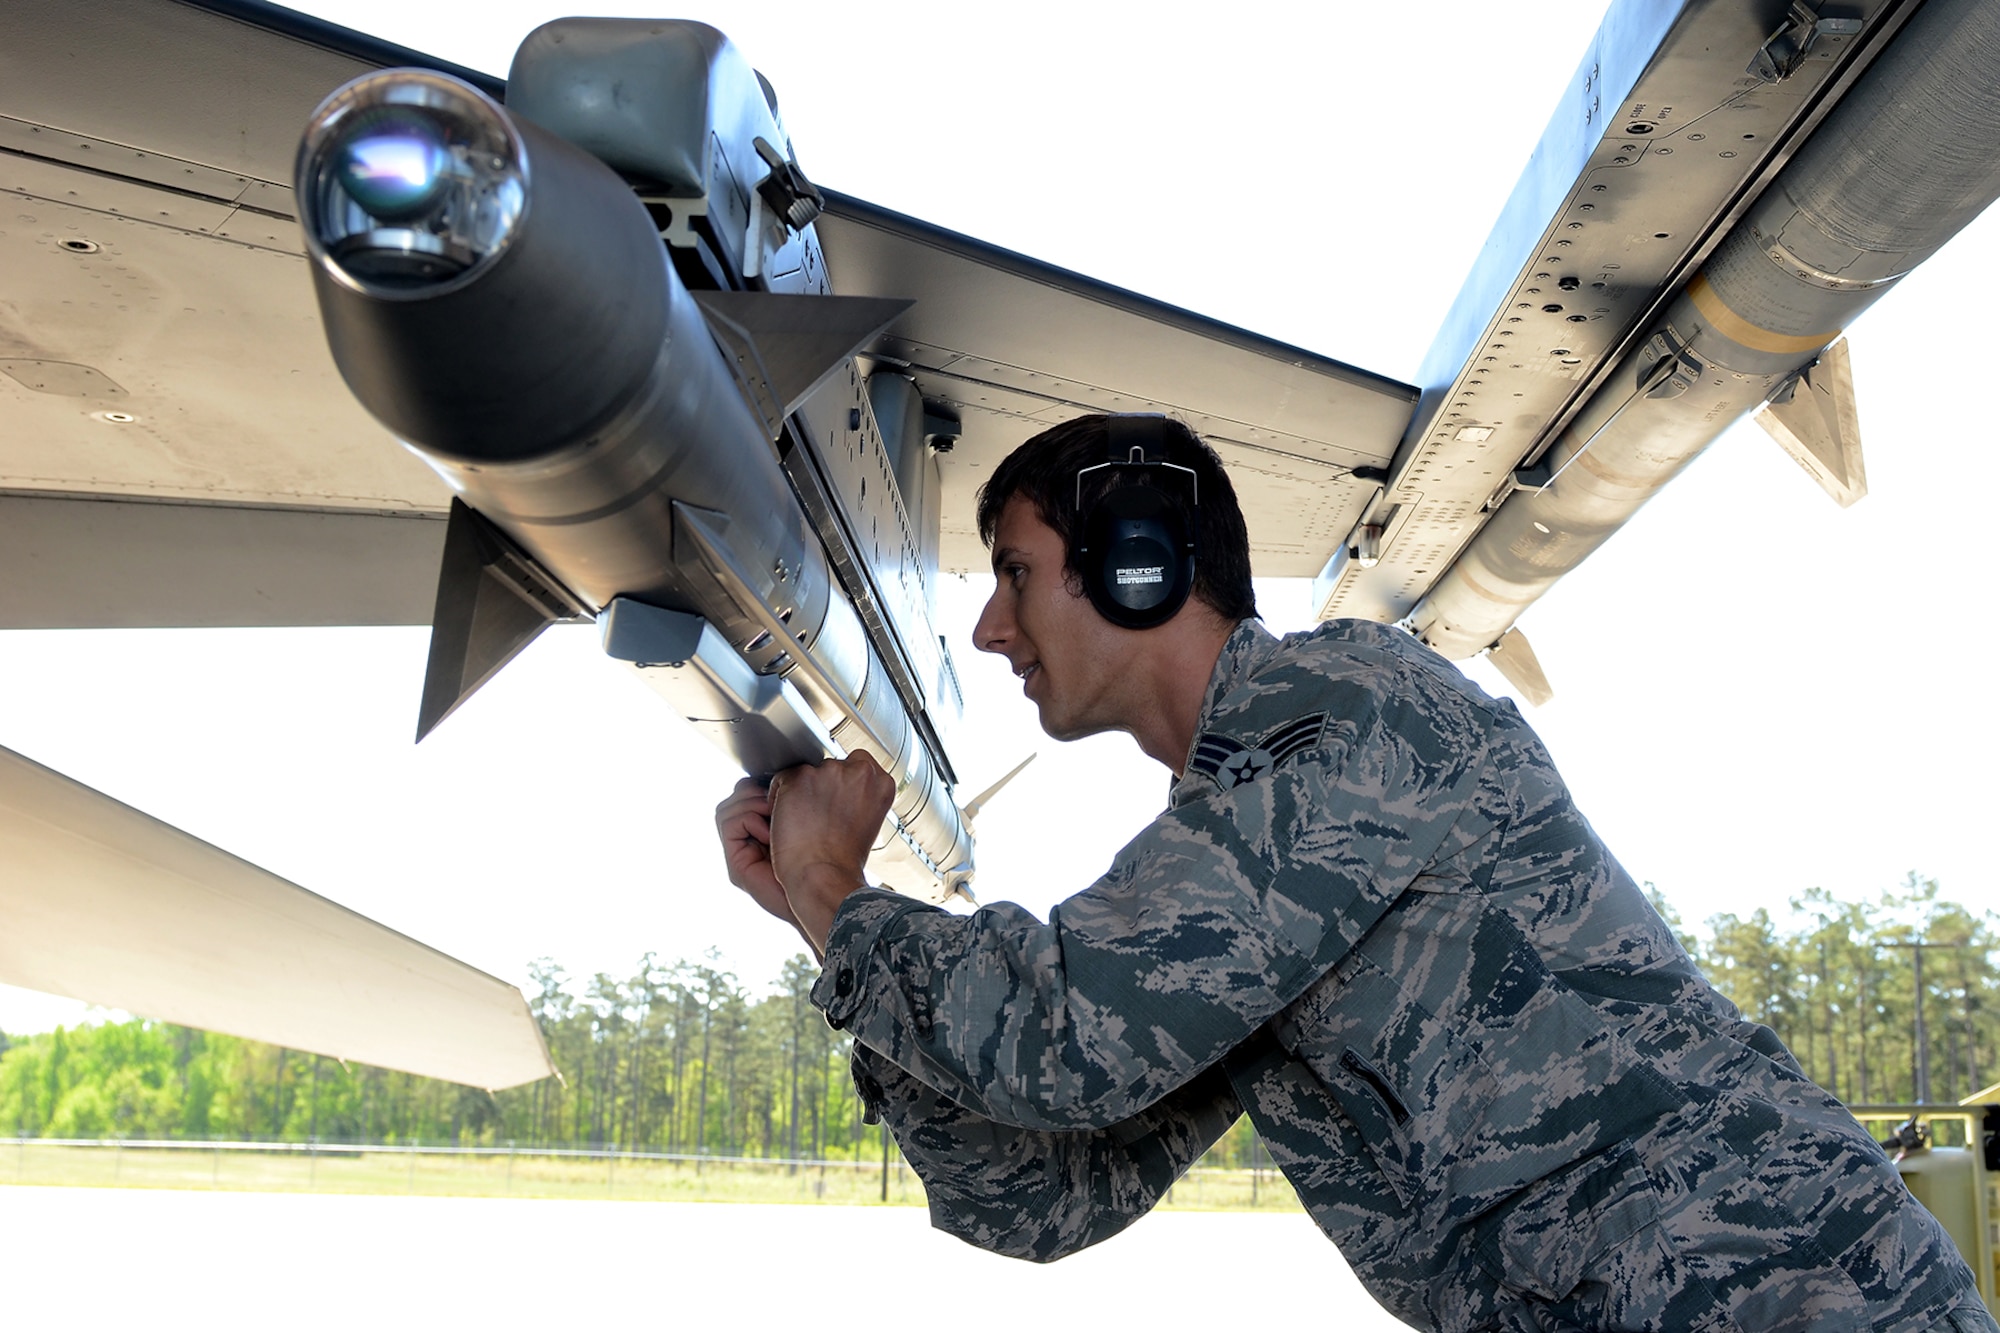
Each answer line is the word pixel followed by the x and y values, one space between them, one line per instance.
pixel 800 846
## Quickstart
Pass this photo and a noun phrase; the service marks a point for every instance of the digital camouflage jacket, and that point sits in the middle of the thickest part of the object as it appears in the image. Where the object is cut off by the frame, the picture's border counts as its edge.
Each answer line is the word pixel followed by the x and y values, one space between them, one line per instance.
pixel 1372 918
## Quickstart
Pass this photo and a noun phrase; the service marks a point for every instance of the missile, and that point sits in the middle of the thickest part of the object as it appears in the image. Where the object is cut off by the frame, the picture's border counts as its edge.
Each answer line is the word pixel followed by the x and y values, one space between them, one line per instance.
pixel 1889 177
pixel 621 447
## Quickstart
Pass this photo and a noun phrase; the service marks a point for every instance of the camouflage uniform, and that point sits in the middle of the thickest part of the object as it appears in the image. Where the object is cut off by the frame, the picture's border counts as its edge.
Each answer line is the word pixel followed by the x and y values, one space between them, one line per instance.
pixel 1372 917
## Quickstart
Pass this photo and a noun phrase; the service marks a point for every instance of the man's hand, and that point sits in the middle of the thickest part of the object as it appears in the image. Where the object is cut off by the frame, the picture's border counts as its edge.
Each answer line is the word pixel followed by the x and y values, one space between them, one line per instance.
pixel 822 823
pixel 743 822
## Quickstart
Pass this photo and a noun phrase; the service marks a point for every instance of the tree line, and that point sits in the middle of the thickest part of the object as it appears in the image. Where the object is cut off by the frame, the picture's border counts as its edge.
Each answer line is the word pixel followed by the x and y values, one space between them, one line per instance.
pixel 675 1058
pixel 1838 980
pixel 682 1057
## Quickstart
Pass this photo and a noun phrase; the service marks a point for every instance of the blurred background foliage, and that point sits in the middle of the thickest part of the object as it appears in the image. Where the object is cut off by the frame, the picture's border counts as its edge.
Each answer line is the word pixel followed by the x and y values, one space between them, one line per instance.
pixel 683 1058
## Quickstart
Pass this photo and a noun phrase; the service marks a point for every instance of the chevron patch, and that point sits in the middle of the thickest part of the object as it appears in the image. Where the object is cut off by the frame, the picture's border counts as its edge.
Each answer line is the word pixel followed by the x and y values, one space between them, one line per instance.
pixel 1229 762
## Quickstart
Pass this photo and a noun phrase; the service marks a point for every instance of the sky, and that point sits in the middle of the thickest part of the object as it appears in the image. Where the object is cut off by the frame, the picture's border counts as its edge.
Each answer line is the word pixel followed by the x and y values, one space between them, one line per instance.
pixel 1757 692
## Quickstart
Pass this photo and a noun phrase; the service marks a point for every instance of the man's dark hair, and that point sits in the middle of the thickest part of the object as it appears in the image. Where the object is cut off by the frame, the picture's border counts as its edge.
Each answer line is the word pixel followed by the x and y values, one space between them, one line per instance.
pixel 1043 472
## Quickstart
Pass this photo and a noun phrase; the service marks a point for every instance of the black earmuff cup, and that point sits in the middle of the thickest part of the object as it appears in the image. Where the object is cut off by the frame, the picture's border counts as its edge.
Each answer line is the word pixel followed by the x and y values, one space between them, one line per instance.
pixel 1138 566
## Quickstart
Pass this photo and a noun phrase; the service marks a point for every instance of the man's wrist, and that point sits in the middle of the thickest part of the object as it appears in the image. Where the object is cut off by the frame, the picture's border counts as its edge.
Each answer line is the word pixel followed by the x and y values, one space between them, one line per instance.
pixel 816 893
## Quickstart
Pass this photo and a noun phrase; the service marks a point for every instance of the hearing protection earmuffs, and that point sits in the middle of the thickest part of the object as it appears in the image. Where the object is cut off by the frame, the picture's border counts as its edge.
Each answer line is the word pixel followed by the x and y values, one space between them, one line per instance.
pixel 1134 552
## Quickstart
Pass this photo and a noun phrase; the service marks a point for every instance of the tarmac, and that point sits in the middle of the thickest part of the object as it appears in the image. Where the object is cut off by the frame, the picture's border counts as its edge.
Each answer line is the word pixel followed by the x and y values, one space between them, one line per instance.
pixel 89 1259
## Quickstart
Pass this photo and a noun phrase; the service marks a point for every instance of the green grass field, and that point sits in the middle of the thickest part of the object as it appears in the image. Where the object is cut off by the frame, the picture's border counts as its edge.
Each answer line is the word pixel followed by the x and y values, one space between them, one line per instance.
pixel 529 1176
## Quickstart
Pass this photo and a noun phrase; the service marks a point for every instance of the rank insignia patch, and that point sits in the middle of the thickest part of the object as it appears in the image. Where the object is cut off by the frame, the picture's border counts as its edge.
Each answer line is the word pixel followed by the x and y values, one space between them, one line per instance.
pixel 1229 762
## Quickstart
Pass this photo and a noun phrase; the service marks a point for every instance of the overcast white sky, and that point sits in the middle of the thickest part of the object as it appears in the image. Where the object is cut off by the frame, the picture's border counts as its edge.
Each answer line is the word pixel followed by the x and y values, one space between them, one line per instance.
pixel 1757 692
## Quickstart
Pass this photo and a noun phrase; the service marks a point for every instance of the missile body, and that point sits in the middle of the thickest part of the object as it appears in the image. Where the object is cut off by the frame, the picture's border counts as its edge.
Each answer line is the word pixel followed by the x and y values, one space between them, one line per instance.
pixel 1897 169
pixel 502 302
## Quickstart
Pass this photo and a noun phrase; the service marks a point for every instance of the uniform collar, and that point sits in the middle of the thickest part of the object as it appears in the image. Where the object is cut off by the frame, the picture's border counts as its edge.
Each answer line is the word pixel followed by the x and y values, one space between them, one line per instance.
pixel 1249 645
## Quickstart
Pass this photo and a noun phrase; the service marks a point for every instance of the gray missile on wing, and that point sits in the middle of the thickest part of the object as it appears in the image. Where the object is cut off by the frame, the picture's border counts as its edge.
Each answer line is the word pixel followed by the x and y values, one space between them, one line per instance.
pixel 1723 189
pixel 691 468
pixel 1894 172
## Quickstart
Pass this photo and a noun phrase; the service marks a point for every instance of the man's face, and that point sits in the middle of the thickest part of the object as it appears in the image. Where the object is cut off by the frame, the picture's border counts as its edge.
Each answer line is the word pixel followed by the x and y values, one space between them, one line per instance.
pixel 1069 658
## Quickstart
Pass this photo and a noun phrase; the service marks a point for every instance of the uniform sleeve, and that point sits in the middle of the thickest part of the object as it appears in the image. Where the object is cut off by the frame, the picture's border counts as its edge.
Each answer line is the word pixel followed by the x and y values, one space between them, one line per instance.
pixel 1041 1194
pixel 1217 916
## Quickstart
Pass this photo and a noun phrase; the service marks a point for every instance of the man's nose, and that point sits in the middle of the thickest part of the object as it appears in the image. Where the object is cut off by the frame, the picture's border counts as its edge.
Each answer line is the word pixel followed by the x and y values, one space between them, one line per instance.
pixel 994 627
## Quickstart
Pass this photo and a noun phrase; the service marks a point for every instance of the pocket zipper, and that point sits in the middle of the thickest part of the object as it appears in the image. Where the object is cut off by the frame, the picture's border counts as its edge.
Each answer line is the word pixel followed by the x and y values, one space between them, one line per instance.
pixel 1368 1074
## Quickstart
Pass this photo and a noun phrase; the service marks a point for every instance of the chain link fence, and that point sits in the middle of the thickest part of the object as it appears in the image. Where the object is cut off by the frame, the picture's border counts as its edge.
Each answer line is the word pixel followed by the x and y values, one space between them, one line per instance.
pixel 530 1172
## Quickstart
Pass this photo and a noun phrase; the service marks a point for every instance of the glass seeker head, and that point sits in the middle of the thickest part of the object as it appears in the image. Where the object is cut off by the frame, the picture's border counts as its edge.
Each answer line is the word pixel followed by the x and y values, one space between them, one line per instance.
pixel 407 181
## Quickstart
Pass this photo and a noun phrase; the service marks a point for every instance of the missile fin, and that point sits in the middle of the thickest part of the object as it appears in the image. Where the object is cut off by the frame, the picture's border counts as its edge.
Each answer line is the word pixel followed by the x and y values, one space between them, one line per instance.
pixel 1517 662
pixel 1814 420
pixel 492 600
pixel 970 810
pixel 783 347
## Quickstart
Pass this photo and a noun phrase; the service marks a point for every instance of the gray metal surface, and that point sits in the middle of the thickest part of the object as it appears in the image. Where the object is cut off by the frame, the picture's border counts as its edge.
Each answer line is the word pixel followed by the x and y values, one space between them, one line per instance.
pixel 1815 421
pixel 1013 346
pixel 568 387
pixel 163 133
pixel 1895 170
pixel 760 719
pixel 680 111
pixel 190 316
pixel 839 461
pixel 91 563
pixel 107 904
pixel 154 285
pixel 788 347
pixel 196 84
pixel 1660 139
pixel 492 602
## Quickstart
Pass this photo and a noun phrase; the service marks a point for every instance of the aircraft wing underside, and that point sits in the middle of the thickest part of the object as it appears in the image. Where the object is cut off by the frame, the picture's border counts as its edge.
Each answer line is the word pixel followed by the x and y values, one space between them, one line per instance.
pixel 1013 346
pixel 181 451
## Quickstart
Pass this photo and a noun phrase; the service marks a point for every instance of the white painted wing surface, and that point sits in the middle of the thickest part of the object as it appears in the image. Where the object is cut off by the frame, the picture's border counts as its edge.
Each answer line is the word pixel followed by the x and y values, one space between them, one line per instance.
pixel 1012 345
pixel 107 904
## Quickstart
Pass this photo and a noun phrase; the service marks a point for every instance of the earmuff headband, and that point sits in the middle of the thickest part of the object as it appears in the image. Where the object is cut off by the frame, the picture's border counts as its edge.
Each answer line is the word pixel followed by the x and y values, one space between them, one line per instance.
pixel 1137 439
